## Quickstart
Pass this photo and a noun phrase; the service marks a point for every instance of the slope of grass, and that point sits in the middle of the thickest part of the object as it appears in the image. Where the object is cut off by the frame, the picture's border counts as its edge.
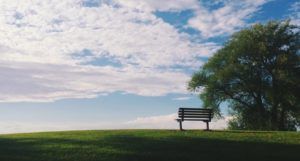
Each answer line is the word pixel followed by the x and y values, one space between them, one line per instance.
pixel 151 145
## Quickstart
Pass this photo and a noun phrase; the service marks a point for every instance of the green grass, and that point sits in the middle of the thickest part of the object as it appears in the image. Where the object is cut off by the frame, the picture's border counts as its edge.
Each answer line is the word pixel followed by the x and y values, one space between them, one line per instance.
pixel 151 145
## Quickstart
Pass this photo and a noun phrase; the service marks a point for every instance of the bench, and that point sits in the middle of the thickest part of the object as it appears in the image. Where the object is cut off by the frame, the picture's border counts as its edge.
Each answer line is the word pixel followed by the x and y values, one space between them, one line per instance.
pixel 194 114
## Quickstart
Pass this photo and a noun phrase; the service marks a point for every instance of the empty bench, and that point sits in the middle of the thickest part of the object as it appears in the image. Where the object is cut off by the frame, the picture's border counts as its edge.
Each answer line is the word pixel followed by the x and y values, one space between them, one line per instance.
pixel 194 114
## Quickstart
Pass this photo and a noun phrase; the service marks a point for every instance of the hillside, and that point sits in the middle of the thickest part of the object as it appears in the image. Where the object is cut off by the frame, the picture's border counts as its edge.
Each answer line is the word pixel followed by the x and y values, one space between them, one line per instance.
pixel 151 145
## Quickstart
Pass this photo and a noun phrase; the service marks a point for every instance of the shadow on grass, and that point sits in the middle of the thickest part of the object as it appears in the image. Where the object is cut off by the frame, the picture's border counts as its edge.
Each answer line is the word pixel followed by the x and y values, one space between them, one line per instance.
pixel 135 148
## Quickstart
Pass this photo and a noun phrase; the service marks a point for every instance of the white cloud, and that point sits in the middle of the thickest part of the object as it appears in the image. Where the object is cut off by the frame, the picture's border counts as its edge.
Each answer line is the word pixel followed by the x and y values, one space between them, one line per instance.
pixel 40 42
pixel 295 13
pixel 57 29
pixel 152 122
pixel 54 34
pixel 12 127
pixel 226 19
pixel 181 98
pixel 48 82
pixel 169 122
pixel 165 5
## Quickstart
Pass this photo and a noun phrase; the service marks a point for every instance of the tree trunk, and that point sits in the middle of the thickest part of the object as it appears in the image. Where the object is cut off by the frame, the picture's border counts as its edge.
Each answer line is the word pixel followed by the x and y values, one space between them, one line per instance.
pixel 282 120
pixel 274 110
pixel 274 118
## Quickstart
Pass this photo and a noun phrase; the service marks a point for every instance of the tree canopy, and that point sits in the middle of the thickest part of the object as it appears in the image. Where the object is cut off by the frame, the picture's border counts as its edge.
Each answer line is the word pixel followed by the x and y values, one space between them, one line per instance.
pixel 257 73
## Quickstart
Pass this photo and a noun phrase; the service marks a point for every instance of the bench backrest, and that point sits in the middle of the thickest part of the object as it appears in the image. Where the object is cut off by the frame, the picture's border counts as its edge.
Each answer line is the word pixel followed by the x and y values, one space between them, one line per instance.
pixel 195 114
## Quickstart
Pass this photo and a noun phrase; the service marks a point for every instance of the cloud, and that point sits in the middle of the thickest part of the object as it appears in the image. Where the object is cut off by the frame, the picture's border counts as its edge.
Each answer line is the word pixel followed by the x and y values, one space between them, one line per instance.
pixel 165 5
pixel 181 98
pixel 49 82
pixel 57 30
pixel 12 127
pixel 169 122
pixel 150 122
pixel 52 49
pixel 226 19
pixel 123 37
pixel 295 13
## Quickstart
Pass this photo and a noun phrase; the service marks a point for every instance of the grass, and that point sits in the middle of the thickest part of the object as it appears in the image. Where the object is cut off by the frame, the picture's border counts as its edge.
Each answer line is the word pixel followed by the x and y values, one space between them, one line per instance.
pixel 151 145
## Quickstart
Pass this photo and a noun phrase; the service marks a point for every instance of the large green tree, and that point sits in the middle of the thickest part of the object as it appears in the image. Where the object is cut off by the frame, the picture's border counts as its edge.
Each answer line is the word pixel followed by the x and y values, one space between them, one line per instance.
pixel 257 73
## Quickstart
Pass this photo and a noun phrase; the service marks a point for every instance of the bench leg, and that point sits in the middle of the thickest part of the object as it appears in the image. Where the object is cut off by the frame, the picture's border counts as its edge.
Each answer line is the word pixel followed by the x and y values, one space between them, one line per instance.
pixel 180 125
pixel 207 125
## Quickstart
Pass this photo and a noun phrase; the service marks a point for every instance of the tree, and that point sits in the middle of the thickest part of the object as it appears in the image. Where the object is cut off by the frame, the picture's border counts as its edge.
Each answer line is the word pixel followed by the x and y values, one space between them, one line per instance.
pixel 257 73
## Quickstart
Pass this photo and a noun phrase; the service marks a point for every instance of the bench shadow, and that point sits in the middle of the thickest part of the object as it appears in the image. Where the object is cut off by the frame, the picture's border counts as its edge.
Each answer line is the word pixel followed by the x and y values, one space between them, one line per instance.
pixel 134 148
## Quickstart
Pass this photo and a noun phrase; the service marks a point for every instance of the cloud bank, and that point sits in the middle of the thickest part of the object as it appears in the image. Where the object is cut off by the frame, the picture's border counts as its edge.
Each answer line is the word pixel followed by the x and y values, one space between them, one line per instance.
pixel 152 122
pixel 55 49
pixel 169 122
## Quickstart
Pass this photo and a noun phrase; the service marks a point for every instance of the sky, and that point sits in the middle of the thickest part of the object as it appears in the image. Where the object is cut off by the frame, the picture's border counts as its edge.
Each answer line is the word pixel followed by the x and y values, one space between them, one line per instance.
pixel 114 64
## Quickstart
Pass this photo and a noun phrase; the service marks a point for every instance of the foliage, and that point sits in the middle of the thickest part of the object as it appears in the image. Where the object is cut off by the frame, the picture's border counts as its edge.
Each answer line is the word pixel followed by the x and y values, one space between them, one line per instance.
pixel 257 73
pixel 151 145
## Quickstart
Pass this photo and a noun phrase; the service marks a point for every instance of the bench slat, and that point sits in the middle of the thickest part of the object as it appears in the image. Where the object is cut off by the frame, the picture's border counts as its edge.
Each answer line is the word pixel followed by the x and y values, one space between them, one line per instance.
pixel 196 120
pixel 196 113
pixel 191 113
pixel 194 108
pixel 196 117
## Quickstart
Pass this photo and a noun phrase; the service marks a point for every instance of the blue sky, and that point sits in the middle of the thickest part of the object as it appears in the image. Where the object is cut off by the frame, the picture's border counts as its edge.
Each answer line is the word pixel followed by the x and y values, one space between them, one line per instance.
pixel 110 64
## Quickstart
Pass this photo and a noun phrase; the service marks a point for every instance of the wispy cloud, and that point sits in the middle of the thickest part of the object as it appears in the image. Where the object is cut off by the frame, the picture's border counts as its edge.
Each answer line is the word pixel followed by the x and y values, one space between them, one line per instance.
pixel 48 82
pixel 226 19
pixel 165 5
pixel 181 98
pixel 295 13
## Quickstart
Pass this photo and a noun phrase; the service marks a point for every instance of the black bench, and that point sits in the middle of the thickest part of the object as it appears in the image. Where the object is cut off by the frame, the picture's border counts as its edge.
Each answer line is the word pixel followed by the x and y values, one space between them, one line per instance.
pixel 194 114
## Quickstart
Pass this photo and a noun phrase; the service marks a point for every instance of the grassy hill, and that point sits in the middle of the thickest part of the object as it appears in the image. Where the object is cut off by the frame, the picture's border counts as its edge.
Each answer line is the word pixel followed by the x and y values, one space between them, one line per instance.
pixel 151 145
